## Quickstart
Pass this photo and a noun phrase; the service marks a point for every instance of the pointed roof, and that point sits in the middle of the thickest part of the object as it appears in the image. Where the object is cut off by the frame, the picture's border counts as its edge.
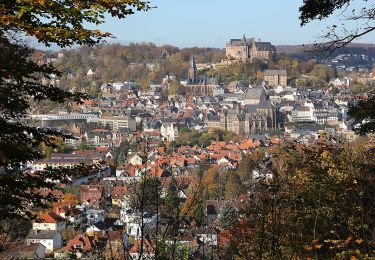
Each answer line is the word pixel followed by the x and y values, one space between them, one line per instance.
pixel 192 62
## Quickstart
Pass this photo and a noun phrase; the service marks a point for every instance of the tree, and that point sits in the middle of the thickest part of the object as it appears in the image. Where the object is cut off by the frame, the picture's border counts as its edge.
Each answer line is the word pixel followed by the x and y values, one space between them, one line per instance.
pixel 360 14
pixel 172 201
pixel 62 22
pixel 353 13
pixel 50 22
pixel 228 216
pixel 320 210
pixel 249 163
pixel 232 186
pixel 174 88
pixel 211 181
pixel 364 113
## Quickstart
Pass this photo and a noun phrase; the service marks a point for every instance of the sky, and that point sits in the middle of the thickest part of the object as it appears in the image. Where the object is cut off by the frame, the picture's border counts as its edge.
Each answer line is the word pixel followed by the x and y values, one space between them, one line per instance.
pixel 211 23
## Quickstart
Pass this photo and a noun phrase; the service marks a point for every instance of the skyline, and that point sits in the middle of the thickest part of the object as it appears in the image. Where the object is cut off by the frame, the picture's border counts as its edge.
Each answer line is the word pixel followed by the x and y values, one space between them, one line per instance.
pixel 194 23
pixel 212 24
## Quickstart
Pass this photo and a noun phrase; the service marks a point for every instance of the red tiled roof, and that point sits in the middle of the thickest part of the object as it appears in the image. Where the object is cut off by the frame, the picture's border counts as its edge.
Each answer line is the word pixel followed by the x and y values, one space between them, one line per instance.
pixel 80 240
pixel 102 149
pixel 50 217
pixel 231 147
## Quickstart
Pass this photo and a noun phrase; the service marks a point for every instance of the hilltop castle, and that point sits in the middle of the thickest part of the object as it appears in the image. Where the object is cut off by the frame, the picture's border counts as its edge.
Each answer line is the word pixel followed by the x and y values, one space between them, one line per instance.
pixel 248 49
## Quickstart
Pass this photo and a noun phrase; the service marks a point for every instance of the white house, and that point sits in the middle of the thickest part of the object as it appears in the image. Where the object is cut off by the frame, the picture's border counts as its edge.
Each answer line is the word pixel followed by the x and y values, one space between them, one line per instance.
pixel 95 216
pixel 49 221
pixel 90 72
pixel 135 160
pixel 304 113
pixel 169 132
pixel 207 236
pixel 70 214
pixel 51 239
pixel 132 221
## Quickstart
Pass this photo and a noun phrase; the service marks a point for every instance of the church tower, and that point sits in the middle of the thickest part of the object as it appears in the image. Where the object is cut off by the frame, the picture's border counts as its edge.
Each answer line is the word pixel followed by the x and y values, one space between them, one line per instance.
pixel 192 70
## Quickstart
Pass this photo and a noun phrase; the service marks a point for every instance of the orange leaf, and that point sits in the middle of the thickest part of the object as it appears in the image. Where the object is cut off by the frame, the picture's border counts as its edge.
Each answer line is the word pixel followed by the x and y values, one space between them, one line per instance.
pixel 318 246
pixel 346 241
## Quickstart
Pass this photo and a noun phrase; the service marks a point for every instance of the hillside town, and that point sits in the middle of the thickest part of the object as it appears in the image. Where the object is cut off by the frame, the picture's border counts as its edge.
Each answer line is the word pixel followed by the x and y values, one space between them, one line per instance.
pixel 153 171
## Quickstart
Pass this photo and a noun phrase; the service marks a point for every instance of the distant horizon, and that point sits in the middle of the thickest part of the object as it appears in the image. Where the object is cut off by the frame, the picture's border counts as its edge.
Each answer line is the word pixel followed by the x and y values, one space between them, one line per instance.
pixel 211 23
pixel 127 43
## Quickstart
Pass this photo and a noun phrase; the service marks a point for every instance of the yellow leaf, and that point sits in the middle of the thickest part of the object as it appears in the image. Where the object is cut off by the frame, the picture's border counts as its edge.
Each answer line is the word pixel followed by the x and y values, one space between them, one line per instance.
pixel 353 258
pixel 359 241
pixel 318 246
pixel 308 248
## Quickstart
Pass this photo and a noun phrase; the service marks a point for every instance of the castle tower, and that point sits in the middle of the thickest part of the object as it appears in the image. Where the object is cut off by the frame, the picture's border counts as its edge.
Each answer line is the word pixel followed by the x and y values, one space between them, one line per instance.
pixel 192 70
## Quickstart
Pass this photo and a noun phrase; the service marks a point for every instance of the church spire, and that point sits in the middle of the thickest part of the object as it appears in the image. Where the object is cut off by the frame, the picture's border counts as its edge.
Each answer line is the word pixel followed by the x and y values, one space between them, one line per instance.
pixel 244 38
pixel 192 62
pixel 192 69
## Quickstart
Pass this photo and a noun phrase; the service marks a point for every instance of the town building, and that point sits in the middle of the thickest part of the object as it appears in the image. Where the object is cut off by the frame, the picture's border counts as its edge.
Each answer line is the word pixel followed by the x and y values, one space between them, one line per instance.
pixel 248 49
pixel 199 86
pixel 275 78
pixel 51 239
pixel 257 115
pixel 118 122
pixel 92 195
pixel 169 132
pixel 49 221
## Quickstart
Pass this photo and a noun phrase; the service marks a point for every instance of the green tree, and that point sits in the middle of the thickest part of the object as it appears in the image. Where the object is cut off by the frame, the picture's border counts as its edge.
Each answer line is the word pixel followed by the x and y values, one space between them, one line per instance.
pixel 172 201
pixel 364 114
pixel 228 216
pixel 50 22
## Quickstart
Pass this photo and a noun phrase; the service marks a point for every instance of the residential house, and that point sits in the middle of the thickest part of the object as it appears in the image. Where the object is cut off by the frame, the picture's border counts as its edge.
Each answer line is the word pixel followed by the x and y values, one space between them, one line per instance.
pixel 51 239
pixel 80 246
pixel 135 160
pixel 92 195
pixel 71 214
pixel 49 221
pixel 95 216
pixel 118 196
pixel 148 250
pixel 117 244
pixel 132 221
pixel 23 251
pixel 169 132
